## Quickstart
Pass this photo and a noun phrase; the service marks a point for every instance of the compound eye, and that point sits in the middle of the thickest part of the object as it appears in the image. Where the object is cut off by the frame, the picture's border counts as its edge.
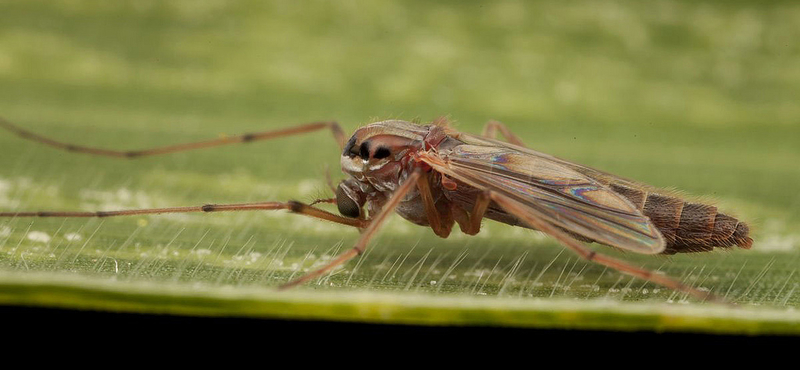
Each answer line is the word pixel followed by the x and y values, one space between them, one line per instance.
pixel 382 152
pixel 350 149
pixel 347 207
pixel 363 152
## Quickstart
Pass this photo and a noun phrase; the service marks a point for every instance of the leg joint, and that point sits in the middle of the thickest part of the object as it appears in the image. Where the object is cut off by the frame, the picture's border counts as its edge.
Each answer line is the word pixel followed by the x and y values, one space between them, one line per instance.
pixel 296 206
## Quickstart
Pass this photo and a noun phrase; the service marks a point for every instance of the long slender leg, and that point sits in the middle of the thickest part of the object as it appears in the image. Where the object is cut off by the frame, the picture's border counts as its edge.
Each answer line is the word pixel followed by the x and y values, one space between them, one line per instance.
pixel 366 236
pixel 490 131
pixel 437 222
pixel 533 219
pixel 338 135
pixel 293 206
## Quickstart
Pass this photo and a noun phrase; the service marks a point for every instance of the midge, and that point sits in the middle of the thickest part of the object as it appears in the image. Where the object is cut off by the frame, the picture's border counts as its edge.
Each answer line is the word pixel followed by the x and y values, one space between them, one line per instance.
pixel 435 176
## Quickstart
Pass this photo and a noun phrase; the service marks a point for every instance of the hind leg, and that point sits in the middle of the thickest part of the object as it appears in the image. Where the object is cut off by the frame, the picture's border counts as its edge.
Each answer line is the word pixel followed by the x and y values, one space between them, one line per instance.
pixel 491 128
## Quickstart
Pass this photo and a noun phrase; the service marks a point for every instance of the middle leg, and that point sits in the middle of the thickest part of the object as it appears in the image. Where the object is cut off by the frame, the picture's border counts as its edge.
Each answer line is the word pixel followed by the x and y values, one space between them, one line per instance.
pixel 470 222
pixel 366 236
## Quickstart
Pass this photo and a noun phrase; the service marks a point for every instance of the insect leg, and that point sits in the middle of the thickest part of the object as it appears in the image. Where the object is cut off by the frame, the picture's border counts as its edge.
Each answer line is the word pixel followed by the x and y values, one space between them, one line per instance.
pixel 437 222
pixel 490 131
pixel 534 219
pixel 470 223
pixel 338 135
pixel 366 236
pixel 292 206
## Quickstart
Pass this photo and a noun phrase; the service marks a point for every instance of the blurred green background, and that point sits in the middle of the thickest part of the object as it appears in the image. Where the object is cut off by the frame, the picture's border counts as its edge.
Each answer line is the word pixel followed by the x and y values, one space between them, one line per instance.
pixel 698 96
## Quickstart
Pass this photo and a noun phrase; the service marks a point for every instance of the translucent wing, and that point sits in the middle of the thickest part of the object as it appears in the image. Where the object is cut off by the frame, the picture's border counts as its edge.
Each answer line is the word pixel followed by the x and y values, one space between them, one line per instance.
pixel 595 174
pixel 558 192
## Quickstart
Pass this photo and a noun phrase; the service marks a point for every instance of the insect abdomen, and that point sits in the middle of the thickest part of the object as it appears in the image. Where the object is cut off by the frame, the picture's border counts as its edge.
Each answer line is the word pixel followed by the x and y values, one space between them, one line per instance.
pixel 688 227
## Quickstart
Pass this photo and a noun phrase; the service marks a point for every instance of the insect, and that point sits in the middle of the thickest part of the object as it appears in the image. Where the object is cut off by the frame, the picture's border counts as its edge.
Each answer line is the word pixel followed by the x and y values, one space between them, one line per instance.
pixel 435 176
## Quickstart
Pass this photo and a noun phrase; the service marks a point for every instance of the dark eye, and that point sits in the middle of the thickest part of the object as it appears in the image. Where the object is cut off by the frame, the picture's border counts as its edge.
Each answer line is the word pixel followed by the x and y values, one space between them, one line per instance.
pixel 364 151
pixel 382 152
pixel 351 150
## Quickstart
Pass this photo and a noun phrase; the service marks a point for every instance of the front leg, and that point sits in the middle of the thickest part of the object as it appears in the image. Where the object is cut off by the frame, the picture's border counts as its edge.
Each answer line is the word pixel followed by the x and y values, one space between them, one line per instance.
pixel 336 130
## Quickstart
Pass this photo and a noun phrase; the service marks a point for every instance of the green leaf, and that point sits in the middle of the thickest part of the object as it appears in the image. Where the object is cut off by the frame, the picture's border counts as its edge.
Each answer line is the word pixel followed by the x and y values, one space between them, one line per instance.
pixel 698 97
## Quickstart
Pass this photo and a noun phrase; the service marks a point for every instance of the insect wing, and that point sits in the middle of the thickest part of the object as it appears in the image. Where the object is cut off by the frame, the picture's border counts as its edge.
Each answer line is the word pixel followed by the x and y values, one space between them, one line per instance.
pixel 561 195
pixel 595 174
